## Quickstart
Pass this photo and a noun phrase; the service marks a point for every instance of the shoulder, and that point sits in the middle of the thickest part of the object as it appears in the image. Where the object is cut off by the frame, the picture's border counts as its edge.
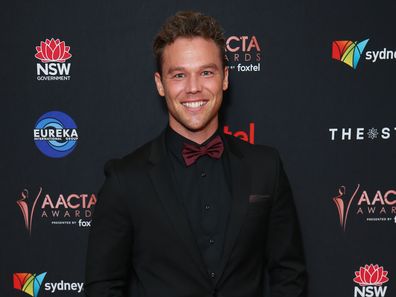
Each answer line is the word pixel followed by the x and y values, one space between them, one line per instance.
pixel 252 151
pixel 136 161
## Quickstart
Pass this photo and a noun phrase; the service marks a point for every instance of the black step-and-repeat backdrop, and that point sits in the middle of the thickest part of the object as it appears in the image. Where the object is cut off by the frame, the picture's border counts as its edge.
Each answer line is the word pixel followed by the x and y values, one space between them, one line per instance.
pixel 316 79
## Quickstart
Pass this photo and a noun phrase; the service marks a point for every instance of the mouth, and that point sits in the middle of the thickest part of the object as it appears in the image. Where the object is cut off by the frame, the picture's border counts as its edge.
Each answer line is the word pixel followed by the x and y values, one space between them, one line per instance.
pixel 194 105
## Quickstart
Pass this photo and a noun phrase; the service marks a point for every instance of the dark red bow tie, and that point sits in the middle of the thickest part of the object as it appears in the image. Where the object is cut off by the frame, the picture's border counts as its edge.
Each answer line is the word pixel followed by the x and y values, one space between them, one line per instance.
pixel 213 149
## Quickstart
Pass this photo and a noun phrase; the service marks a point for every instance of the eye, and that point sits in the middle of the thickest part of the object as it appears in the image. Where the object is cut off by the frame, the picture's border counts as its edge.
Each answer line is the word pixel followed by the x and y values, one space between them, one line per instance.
pixel 179 75
pixel 207 73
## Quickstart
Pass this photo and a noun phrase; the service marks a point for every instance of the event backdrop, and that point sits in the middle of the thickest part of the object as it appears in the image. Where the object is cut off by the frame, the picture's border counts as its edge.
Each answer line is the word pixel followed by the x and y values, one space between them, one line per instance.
pixel 316 79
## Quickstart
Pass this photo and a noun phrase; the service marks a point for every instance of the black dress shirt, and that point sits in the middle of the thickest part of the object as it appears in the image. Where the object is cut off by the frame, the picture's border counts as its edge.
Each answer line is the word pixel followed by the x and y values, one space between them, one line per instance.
pixel 204 191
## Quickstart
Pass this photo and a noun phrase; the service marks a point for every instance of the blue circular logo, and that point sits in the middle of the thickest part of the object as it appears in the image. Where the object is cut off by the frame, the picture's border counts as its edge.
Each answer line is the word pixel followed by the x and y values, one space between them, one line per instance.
pixel 55 134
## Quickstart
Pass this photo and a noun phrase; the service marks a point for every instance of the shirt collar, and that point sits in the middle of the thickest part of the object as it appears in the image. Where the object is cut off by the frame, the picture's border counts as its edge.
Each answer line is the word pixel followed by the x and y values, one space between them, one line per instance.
pixel 175 142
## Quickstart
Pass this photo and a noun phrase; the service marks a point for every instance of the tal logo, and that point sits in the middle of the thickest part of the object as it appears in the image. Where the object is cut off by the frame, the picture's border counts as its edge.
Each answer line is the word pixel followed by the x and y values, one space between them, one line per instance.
pixel 28 283
pixel 348 52
pixel 370 280
pixel 53 53
pixel 245 136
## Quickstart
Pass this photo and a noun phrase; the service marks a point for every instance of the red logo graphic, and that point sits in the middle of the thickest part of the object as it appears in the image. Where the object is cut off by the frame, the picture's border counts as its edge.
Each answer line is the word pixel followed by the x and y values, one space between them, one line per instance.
pixel 343 209
pixel 23 205
pixel 246 136
pixel 371 275
pixel 53 50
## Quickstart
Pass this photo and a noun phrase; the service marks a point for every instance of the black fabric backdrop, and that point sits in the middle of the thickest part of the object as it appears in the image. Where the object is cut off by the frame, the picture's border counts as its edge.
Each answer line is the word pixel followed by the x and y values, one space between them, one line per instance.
pixel 299 94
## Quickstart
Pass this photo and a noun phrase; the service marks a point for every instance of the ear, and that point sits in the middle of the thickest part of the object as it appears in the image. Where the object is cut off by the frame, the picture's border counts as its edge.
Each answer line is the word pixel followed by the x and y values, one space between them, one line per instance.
pixel 225 78
pixel 158 83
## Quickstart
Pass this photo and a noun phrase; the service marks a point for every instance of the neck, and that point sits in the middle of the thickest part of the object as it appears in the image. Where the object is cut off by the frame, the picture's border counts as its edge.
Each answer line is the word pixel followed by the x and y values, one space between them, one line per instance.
pixel 197 136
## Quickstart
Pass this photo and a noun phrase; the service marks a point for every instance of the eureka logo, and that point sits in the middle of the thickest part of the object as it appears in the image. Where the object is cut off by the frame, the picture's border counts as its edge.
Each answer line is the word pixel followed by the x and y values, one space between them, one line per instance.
pixel 28 283
pixel 348 52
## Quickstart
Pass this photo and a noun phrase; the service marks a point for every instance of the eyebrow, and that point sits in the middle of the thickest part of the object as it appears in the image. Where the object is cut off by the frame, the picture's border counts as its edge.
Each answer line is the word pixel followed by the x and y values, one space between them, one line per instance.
pixel 179 68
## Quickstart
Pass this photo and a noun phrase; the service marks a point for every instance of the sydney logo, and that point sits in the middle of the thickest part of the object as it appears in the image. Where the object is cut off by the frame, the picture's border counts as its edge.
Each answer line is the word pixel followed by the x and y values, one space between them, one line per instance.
pixel 348 52
pixel 370 279
pixel 28 283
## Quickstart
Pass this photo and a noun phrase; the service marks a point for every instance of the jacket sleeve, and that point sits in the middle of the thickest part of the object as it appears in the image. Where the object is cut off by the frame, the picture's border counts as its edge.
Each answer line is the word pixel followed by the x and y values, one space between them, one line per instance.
pixel 286 264
pixel 110 241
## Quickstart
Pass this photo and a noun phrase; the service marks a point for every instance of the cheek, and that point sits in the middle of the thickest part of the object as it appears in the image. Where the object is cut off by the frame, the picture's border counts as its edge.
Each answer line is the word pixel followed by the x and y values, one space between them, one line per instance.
pixel 174 90
pixel 215 86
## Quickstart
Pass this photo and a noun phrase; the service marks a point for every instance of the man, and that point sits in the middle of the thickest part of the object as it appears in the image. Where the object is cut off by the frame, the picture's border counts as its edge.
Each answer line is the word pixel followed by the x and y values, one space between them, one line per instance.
pixel 194 212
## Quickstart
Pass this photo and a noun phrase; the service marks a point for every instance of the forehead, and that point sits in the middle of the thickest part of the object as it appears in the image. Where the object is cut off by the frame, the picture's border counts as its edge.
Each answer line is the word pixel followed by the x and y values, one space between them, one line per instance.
pixel 191 52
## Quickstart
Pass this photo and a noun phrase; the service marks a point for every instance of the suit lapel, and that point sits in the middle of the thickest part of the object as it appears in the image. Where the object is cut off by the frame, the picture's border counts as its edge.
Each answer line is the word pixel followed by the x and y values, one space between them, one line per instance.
pixel 240 188
pixel 164 185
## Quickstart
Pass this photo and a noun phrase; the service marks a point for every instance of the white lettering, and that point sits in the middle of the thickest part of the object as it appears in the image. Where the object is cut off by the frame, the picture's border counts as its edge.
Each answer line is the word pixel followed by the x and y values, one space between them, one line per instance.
pixel 333 131
pixel 64 286
pixel 385 133
pixel 359 133
pixel 346 133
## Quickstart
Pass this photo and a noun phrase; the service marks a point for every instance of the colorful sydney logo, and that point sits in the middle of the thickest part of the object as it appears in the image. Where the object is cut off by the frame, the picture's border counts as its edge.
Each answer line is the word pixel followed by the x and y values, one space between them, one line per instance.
pixel 28 283
pixel 348 52
pixel 24 206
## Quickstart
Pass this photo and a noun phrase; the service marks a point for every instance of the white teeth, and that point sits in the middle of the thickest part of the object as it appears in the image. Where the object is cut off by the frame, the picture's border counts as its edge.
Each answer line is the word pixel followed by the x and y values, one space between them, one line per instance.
pixel 194 104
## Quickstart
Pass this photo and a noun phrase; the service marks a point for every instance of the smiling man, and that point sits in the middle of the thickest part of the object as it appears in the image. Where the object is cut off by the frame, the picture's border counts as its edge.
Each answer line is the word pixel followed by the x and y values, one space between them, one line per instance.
pixel 195 212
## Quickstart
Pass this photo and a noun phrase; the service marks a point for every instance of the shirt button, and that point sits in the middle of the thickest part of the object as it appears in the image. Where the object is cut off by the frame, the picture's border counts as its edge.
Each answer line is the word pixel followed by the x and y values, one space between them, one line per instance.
pixel 212 275
pixel 207 207
pixel 211 241
pixel 203 174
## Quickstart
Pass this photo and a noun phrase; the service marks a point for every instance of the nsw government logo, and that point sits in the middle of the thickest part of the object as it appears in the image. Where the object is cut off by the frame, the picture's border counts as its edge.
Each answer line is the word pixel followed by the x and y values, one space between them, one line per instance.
pixel 55 134
pixel 370 280
pixel 53 53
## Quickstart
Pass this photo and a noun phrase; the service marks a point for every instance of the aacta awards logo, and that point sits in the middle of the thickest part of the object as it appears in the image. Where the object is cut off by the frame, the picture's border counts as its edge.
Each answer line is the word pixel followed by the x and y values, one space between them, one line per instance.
pixel 55 134
pixel 53 54
pixel 372 206
pixel 30 284
pixel 59 209
pixel 243 53
pixel 370 280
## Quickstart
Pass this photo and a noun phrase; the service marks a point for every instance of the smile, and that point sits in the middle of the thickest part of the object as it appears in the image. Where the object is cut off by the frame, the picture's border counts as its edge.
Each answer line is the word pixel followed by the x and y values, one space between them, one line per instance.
pixel 194 104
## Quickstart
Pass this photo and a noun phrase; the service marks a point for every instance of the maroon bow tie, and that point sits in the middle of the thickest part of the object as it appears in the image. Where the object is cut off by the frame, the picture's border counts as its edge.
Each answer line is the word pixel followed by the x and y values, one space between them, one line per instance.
pixel 213 149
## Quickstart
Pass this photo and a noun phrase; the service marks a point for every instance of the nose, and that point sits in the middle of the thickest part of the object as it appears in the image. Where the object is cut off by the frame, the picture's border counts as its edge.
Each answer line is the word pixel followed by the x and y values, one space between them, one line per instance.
pixel 193 84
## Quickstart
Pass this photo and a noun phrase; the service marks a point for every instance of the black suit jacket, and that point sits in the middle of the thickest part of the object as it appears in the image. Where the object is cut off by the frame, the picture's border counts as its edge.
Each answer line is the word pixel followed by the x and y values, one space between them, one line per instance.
pixel 141 243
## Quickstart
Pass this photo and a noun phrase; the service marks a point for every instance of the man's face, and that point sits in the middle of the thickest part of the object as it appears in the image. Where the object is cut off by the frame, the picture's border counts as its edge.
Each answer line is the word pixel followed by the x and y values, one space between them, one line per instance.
pixel 192 81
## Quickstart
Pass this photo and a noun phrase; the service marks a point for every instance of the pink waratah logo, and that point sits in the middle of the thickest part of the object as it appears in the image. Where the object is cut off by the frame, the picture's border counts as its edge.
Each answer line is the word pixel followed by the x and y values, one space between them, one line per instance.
pixel 371 275
pixel 53 50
